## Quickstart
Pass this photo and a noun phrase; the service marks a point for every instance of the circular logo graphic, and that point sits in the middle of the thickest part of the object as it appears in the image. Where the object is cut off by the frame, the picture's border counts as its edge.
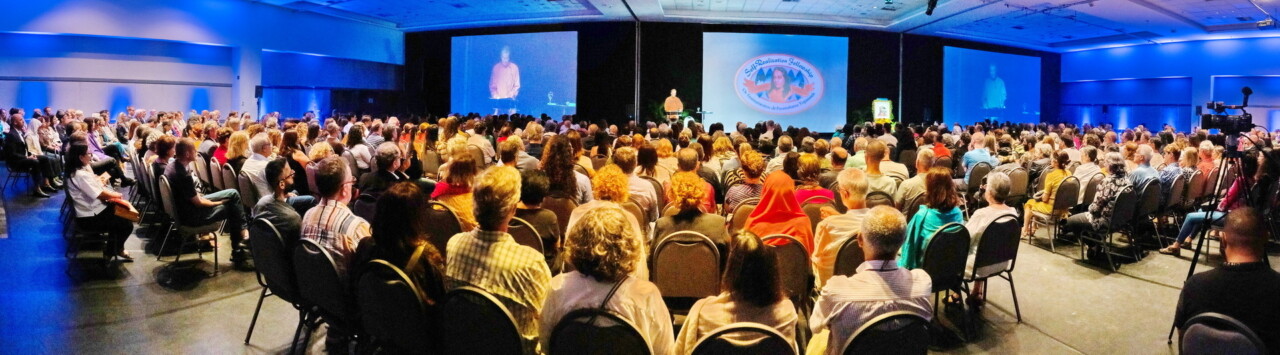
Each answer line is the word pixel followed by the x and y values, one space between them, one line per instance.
pixel 779 84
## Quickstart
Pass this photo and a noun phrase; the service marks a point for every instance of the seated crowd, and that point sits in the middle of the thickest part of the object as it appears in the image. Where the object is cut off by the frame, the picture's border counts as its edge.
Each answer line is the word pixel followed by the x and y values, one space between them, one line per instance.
pixel 601 197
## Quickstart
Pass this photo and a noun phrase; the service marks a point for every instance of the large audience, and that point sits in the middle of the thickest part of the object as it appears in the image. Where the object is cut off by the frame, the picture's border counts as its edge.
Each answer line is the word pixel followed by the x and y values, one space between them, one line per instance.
pixel 602 197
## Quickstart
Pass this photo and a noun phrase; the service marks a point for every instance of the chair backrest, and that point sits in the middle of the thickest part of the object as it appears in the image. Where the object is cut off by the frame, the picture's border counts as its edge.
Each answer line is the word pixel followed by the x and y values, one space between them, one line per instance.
pixel 944 162
pixel 581 169
pixel 641 217
pixel 166 197
pixel 1149 200
pixel 977 175
pixel 318 280
pixel 812 207
pixel 1067 195
pixel 898 332
pixel 273 260
pixel 657 187
pixel 848 257
pixel 1126 206
pixel 1177 192
pixel 525 234
pixel 563 207
pixel 908 158
pixel 599 161
pixel 366 206
pixel 391 308
pixel 879 198
pixel 1018 180
pixel 215 173
pixel 945 256
pixel 595 331
pixel 202 169
pixel 478 155
pixel 477 323
pixel 248 192
pixel 731 177
pixel 793 264
pixel 351 163
pixel 1195 188
pixel 1215 333
pixel 1091 189
pixel 670 210
pixel 444 225
pixel 740 214
pixel 229 180
pixel 999 244
pixel 743 338
pixel 431 163
pixel 686 264
pixel 1071 167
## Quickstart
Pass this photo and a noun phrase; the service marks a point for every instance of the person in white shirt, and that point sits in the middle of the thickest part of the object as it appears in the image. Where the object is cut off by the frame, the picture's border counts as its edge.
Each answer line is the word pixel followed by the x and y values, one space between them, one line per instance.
pixel 604 250
pixel 836 228
pixel 642 191
pixel 1087 169
pixel 785 145
pixel 750 291
pixel 997 185
pixel 94 203
pixel 879 286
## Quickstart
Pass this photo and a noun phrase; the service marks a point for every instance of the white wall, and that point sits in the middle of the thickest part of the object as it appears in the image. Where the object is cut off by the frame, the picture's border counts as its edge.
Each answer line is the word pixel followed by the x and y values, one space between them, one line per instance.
pixel 164 54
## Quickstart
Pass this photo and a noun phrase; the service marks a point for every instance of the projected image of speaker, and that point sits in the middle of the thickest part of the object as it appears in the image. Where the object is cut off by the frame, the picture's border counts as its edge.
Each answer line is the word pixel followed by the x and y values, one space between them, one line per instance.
pixel 525 73
pixel 981 85
pixel 790 79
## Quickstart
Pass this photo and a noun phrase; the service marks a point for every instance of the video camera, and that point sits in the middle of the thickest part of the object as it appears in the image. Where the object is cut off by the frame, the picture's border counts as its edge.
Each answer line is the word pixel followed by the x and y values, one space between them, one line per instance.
pixel 1229 124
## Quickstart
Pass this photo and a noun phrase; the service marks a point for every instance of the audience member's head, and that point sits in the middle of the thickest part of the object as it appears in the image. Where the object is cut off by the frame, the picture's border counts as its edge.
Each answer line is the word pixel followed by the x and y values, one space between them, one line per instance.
pixel 1115 163
pixel 1244 236
pixel 883 232
pixel 333 179
pixel 809 168
pixel 752 164
pixel 876 151
pixel 462 170
pixel 853 188
pixel 625 158
pixel 387 156
pixel 839 156
pixel 405 204
pixel 610 184
pixel 279 176
pixel 496 193
pixel 924 160
pixel 1089 154
pixel 238 145
pixel 508 150
pixel 534 186
pixel 164 146
pixel 940 190
pixel 603 245
pixel 785 144
pixel 687 159
pixel 791 165
pixel 998 186
pixel 688 191
pixel 185 151
pixel 751 272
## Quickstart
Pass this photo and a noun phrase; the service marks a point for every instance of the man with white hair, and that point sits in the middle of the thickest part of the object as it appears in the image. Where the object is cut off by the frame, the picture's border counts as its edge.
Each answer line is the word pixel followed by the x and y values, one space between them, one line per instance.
pixel 255 167
pixel 1142 171
pixel 834 230
pixel 879 286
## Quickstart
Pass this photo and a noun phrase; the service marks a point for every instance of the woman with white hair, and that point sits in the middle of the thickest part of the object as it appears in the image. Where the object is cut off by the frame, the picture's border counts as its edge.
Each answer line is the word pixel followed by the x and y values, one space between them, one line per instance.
pixel 604 249
pixel 998 185
pixel 1099 213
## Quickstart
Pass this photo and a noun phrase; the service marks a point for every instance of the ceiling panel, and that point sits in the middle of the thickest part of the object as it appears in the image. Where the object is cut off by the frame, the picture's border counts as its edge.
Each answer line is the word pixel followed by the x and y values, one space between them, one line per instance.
pixel 1054 25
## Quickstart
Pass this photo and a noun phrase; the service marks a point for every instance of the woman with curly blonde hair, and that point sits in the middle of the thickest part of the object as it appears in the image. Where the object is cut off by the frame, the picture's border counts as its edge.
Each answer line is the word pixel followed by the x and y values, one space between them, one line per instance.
pixel 689 191
pixel 605 252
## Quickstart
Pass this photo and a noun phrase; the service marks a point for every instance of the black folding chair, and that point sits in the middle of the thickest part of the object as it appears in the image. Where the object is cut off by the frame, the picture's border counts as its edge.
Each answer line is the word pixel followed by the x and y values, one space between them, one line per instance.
pixel 1125 205
pixel 848 257
pixel 392 310
pixel 478 324
pixel 743 338
pixel 444 225
pixel 898 332
pixel 320 284
pixel 944 260
pixel 1214 333
pixel 595 331
pixel 273 262
pixel 685 265
pixel 525 234
pixel 996 256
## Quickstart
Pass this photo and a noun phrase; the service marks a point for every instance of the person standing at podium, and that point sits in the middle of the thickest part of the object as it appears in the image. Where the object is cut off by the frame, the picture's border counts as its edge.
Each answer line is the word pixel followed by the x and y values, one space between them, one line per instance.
pixel 673 106
pixel 504 83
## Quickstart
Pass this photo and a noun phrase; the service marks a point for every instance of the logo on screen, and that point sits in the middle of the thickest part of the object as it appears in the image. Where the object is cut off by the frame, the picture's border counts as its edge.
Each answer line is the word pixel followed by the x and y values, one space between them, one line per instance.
pixel 779 84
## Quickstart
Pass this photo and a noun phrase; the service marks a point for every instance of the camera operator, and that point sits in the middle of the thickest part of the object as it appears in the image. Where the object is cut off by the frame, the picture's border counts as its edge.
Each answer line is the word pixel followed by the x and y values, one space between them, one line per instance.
pixel 1254 169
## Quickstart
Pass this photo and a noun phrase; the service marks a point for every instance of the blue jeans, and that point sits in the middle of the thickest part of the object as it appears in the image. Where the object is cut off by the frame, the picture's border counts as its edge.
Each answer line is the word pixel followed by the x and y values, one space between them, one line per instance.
pixel 1195 220
pixel 230 210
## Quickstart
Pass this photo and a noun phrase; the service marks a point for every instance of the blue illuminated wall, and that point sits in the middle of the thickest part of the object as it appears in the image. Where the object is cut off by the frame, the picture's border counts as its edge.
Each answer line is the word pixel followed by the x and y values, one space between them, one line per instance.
pixel 1213 70
pixel 179 55
pixel 1127 103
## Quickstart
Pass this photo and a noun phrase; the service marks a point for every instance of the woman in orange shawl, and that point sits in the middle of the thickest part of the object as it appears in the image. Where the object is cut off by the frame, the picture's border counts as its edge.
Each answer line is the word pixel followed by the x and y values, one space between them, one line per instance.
pixel 779 213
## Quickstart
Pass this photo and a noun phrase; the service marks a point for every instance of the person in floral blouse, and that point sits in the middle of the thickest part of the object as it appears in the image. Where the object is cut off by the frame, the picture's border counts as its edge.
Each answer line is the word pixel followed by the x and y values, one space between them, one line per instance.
pixel 1099 213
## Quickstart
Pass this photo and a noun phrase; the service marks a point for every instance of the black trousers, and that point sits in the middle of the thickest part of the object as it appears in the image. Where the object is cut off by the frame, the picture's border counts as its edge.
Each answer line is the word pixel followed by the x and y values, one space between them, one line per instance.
pixel 33 164
pixel 117 229
pixel 109 166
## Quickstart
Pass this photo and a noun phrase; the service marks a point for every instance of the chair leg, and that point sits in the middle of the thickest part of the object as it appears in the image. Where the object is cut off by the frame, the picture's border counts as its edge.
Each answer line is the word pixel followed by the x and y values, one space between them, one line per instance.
pixel 1016 309
pixel 1053 236
pixel 165 241
pixel 297 332
pixel 254 322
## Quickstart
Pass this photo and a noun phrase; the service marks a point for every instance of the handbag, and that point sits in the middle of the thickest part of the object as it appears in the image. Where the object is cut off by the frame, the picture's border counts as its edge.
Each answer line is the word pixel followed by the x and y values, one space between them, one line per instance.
pixel 127 212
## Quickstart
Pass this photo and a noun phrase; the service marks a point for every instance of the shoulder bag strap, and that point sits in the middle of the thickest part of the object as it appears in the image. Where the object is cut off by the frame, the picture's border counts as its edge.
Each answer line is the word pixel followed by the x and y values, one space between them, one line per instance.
pixel 413 260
